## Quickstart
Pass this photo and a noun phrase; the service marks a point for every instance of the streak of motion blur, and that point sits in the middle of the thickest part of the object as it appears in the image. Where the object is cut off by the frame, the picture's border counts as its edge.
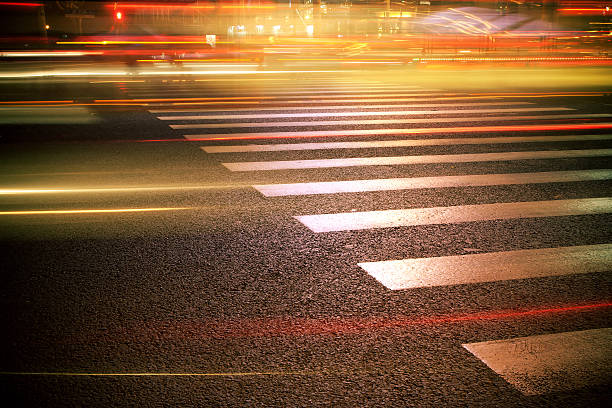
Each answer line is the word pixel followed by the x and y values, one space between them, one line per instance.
pixel 249 35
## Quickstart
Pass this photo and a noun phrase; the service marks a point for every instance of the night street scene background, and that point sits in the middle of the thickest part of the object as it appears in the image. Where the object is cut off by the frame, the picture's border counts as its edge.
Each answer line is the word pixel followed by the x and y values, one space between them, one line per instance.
pixel 304 203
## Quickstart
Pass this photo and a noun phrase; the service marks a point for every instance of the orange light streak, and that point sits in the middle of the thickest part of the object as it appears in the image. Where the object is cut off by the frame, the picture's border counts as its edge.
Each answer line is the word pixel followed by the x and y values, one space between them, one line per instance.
pixel 23 191
pixel 96 211
pixel 32 102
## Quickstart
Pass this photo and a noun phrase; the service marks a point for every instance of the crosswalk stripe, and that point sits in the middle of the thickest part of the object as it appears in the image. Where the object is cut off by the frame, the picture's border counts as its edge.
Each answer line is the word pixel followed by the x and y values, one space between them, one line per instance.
pixel 332 90
pixel 398 143
pixel 364 113
pixel 423 159
pixel 274 101
pixel 299 108
pixel 351 97
pixel 388 121
pixel 451 215
pixel 551 362
pixel 490 267
pixel 358 186
pixel 400 131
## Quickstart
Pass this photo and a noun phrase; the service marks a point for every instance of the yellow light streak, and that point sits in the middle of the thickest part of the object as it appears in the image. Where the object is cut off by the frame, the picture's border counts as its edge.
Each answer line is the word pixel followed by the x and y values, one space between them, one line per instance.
pixel 31 102
pixel 96 211
pixel 20 191
pixel 227 98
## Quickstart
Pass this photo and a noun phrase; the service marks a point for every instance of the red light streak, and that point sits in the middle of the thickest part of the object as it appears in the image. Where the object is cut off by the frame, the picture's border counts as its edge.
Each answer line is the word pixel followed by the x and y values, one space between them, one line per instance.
pixel 20 4
pixel 329 326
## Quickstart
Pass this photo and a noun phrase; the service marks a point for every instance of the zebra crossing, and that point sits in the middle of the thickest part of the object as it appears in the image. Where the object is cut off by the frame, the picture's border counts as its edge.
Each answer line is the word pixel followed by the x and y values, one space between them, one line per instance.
pixel 437 112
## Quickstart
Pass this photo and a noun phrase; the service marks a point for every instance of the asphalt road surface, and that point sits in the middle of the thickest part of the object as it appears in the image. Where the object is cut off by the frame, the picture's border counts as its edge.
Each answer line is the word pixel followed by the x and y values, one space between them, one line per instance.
pixel 304 240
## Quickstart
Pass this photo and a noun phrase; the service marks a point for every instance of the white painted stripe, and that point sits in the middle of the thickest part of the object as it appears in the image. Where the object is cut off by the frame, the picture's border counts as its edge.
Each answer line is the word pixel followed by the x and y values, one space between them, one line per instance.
pixel 388 121
pixel 386 98
pixel 551 362
pixel 398 143
pixel 396 131
pixel 364 113
pixel 367 96
pixel 333 90
pixel 299 108
pixel 283 85
pixel 451 215
pixel 490 267
pixel 424 159
pixel 351 100
pixel 359 186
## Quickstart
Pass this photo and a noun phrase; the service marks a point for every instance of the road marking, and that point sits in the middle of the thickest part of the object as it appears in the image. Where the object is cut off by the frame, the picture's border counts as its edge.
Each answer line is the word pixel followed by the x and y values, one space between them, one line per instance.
pixel 490 267
pixel 296 108
pixel 366 95
pixel 357 100
pixel 405 160
pixel 97 211
pixel 343 91
pixel 453 215
pixel 388 121
pixel 401 131
pixel 398 143
pixel 551 362
pixel 364 113
pixel 358 186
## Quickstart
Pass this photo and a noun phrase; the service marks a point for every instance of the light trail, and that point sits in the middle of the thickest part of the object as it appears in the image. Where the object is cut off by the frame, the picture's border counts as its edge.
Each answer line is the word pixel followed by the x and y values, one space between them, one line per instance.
pixel 145 374
pixel 221 98
pixel 20 191
pixel 281 326
pixel 96 211
pixel 57 73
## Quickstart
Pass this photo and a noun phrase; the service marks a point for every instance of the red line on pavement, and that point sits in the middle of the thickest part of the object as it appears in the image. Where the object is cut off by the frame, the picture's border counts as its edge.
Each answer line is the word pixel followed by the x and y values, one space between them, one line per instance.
pixel 291 326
